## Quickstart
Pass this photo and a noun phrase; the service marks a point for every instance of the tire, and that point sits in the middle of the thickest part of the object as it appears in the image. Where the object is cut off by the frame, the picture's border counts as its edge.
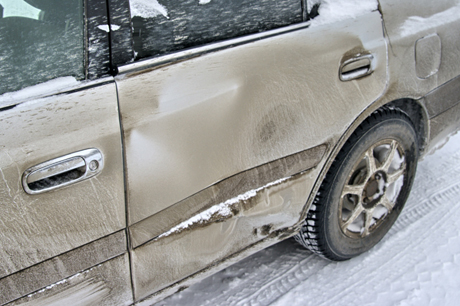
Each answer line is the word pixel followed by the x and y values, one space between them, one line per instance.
pixel 365 189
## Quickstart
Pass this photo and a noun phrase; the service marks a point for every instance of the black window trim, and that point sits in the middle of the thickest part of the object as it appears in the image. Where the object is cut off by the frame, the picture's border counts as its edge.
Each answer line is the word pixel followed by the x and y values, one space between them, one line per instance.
pixel 98 61
pixel 126 64
pixel 174 57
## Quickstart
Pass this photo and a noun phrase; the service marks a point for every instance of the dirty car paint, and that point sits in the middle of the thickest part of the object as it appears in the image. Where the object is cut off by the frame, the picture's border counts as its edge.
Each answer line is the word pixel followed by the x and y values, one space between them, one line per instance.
pixel 199 121
pixel 34 228
pixel 192 124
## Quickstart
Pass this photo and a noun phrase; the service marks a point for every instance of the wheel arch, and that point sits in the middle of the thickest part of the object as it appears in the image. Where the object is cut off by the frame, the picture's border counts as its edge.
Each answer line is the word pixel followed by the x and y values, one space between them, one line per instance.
pixel 419 117
pixel 412 107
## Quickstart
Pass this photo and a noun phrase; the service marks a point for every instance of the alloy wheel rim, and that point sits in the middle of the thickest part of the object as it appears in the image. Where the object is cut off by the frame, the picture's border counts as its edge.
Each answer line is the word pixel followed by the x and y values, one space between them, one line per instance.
pixel 372 188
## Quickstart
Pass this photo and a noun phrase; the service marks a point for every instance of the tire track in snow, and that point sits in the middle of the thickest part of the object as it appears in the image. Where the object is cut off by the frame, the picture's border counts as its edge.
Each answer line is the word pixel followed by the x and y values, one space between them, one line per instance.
pixel 416 213
pixel 262 291
pixel 419 210
pixel 425 221
pixel 435 181
pixel 401 246
pixel 241 288
pixel 279 276
pixel 284 282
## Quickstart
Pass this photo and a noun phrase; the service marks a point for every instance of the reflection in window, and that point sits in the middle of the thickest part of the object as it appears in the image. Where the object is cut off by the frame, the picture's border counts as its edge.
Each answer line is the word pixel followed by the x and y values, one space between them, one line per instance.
pixel 164 26
pixel 40 40
pixel 19 8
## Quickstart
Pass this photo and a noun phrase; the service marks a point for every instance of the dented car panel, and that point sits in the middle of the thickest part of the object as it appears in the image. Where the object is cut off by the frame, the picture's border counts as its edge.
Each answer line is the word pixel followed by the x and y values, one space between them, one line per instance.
pixel 238 225
pixel 198 121
pixel 181 145
pixel 225 190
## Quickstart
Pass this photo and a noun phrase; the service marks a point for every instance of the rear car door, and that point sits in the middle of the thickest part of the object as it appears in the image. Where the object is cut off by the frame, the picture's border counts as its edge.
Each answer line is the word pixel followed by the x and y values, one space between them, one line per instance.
pixel 61 172
pixel 227 87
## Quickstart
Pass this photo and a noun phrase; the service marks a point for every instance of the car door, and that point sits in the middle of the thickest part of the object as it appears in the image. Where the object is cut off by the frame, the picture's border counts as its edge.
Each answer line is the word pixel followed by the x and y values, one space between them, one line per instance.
pixel 254 85
pixel 61 169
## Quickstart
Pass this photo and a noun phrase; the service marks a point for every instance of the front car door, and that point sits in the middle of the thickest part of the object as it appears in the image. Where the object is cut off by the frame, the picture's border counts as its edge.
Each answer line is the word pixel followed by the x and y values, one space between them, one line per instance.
pixel 62 238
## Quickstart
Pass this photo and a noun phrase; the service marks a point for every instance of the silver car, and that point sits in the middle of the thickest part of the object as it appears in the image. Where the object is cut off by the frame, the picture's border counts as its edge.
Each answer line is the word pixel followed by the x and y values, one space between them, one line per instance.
pixel 146 144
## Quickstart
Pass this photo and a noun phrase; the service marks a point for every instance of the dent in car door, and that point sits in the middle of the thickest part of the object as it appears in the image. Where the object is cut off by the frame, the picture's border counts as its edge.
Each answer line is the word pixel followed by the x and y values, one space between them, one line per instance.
pixel 190 127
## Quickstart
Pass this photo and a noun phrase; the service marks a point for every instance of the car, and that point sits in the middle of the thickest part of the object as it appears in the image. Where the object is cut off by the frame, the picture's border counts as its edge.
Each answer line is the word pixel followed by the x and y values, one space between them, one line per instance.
pixel 147 144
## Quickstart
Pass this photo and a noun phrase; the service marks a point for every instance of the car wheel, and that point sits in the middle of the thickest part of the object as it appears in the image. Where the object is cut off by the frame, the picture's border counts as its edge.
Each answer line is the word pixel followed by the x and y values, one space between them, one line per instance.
pixel 365 189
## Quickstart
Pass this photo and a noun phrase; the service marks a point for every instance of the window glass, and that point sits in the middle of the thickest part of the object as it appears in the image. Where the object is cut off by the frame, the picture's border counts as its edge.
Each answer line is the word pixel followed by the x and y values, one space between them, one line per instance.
pixel 40 40
pixel 163 26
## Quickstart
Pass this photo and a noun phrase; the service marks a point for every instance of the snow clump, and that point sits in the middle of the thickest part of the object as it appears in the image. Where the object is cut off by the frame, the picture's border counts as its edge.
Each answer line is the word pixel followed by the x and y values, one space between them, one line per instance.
pixel 147 8
pixel 222 209
pixel 331 11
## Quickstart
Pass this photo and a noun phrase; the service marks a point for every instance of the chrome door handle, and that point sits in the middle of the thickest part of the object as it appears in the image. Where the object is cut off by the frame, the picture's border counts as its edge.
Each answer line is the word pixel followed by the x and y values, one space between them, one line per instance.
pixel 356 67
pixel 63 171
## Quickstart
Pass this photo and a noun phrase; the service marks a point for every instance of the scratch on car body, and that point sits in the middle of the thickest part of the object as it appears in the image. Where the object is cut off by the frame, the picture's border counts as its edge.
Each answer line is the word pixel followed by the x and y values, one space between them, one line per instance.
pixel 220 211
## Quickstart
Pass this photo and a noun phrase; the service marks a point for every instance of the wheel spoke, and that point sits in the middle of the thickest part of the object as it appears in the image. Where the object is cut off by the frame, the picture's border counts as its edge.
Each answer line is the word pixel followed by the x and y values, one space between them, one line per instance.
pixel 393 177
pixel 367 223
pixel 353 189
pixel 387 204
pixel 393 148
pixel 355 214
pixel 372 168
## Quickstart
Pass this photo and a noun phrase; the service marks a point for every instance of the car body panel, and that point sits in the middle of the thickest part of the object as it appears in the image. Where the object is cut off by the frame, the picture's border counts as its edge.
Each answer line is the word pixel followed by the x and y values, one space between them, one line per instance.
pixel 52 271
pixel 443 104
pixel 268 212
pixel 210 153
pixel 191 126
pixel 407 23
pixel 36 227
pixel 105 284
pixel 230 188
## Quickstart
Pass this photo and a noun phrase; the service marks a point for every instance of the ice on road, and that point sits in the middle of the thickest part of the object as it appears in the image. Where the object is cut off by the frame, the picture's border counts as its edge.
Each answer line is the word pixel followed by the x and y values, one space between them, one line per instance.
pixel 417 263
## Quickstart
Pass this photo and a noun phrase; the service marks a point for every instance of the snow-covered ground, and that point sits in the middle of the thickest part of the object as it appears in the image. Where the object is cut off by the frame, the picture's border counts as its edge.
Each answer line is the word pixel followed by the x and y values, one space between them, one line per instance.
pixel 417 263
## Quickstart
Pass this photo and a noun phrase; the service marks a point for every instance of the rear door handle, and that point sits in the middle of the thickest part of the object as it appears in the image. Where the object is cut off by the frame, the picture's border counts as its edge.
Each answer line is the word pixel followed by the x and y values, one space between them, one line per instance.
pixel 356 67
pixel 63 171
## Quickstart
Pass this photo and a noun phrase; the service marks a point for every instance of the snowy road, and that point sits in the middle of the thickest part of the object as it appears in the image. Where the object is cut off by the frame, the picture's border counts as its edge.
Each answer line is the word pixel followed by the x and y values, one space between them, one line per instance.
pixel 417 263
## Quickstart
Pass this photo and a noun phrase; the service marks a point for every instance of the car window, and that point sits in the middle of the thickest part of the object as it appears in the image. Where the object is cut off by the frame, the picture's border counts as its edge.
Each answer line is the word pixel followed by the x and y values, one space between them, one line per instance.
pixel 40 40
pixel 164 26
